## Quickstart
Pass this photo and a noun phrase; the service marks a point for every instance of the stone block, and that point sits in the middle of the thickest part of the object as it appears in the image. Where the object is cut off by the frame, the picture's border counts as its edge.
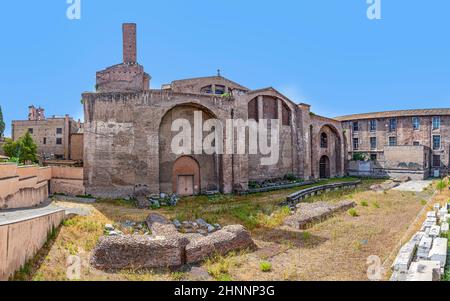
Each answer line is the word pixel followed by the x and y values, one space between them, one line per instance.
pixel 445 228
pixel 439 251
pixel 435 231
pixel 424 271
pixel 136 252
pixel 417 238
pixel 405 257
pixel 424 247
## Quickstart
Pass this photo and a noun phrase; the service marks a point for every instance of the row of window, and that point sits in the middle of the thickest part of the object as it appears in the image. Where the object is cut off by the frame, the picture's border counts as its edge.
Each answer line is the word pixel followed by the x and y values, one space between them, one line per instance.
pixel 393 142
pixel 59 131
pixel 393 124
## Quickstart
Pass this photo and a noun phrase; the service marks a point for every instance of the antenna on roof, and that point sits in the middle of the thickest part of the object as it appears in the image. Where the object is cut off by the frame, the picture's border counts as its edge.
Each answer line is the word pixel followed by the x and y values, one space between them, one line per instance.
pixel 218 72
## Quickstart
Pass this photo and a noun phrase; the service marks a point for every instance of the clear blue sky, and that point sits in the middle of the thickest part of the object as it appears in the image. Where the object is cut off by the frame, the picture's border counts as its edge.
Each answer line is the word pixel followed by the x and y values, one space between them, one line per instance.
pixel 323 52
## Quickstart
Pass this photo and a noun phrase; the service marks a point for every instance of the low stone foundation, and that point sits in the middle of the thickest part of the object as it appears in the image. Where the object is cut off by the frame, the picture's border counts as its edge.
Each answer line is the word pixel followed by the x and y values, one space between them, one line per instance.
pixel 167 248
pixel 308 214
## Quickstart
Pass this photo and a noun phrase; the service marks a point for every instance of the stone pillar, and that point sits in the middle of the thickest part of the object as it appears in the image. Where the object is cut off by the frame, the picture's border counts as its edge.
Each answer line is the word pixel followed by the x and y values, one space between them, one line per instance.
pixel 129 43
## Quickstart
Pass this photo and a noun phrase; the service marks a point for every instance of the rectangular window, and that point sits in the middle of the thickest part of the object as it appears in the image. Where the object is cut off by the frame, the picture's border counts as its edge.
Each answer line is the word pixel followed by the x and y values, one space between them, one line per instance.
pixel 373 157
pixel 30 130
pixel 392 141
pixel 392 124
pixel 416 143
pixel 416 123
pixel 45 141
pixel 355 143
pixel 373 143
pixel 436 161
pixel 59 131
pixel 356 126
pixel 58 141
pixel 436 123
pixel 436 142
pixel 373 126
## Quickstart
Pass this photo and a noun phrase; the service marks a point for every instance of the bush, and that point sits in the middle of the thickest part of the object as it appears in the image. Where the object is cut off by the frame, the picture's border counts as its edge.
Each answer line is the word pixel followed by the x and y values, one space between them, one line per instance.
pixel 359 157
pixel 24 149
pixel 290 177
pixel 352 212
pixel 376 205
pixel 265 267
pixel 441 185
pixel 364 204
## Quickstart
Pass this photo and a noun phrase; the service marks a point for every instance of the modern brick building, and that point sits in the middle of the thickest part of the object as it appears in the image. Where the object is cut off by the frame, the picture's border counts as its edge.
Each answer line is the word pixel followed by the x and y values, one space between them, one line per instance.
pixel 414 142
pixel 128 134
pixel 52 135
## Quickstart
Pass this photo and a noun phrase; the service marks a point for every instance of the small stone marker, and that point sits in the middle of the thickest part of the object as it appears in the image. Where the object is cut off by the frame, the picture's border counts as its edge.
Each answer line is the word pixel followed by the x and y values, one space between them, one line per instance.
pixel 435 231
pixel 445 228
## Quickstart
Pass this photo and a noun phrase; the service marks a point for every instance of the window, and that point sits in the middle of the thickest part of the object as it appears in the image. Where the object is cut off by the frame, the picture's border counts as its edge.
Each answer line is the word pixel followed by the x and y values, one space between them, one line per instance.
pixel 58 141
pixel 392 125
pixel 392 141
pixel 59 131
pixel 207 90
pixel 436 142
pixel 373 125
pixel 220 90
pixel 30 130
pixel 416 143
pixel 356 126
pixel 286 115
pixel 373 157
pixel 436 123
pixel 373 143
pixel 324 140
pixel 416 123
pixel 45 141
pixel 436 161
pixel 355 143
pixel 253 109
pixel 270 107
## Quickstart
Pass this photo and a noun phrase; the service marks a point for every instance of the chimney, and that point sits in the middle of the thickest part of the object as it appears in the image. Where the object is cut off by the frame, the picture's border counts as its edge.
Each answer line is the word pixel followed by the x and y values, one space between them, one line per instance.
pixel 129 43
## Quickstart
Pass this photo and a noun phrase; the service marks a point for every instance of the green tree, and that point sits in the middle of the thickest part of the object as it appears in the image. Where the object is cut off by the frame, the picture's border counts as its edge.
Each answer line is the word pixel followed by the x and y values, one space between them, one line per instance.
pixel 2 123
pixel 24 149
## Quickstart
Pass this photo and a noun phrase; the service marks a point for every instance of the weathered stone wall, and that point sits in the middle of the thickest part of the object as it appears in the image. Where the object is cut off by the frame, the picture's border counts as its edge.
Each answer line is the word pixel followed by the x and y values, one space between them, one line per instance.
pixel 76 147
pixel 67 180
pixel 20 241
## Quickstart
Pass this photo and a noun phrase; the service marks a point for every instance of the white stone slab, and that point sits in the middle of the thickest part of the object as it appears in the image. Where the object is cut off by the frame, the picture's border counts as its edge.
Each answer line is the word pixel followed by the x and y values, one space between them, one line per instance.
pixel 445 228
pixel 437 207
pixel 424 271
pixel 447 218
pixel 431 214
pixel 417 238
pixel 435 231
pixel 424 247
pixel 404 258
pixel 439 251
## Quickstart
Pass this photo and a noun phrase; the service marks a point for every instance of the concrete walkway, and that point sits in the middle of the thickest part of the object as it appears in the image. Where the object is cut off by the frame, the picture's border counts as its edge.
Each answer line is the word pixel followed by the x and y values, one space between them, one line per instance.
pixel 414 186
pixel 15 216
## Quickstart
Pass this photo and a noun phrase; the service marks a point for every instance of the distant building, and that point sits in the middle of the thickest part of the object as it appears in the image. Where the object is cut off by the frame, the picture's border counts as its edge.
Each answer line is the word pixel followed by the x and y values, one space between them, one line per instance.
pixel 410 142
pixel 53 136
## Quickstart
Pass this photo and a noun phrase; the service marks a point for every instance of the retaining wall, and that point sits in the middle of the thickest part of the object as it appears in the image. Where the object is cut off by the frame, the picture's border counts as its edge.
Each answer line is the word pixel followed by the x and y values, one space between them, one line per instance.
pixel 20 241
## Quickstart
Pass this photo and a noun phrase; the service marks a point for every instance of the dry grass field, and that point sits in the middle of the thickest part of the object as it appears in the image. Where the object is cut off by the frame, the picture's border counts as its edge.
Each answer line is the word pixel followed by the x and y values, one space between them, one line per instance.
pixel 336 249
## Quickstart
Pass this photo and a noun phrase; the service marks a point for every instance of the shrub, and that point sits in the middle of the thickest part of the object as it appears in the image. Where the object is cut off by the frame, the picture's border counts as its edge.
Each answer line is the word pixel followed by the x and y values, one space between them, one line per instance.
pixel 376 205
pixel 290 177
pixel 364 204
pixel 442 184
pixel 359 157
pixel 265 267
pixel 24 149
pixel 352 212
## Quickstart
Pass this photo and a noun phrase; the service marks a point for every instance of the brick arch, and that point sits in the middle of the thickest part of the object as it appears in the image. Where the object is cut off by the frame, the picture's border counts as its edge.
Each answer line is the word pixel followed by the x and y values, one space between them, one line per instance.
pixel 333 149
pixel 186 166
pixel 209 175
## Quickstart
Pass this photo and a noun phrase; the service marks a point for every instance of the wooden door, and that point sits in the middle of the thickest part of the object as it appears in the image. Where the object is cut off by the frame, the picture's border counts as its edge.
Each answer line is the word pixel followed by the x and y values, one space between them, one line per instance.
pixel 185 185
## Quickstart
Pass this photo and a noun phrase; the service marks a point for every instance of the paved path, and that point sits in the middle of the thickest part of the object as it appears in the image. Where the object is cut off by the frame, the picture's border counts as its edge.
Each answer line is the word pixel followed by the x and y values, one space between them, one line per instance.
pixel 414 186
pixel 14 216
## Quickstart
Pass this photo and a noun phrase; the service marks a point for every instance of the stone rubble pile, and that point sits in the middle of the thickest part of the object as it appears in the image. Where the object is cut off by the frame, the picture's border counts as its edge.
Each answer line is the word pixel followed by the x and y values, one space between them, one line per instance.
pixel 424 257
pixel 199 226
pixel 307 214
pixel 166 247
pixel 128 227
pixel 157 201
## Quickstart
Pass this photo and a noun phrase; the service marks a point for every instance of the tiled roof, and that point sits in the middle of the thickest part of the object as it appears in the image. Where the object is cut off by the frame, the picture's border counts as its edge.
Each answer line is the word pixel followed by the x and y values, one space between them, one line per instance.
pixel 399 113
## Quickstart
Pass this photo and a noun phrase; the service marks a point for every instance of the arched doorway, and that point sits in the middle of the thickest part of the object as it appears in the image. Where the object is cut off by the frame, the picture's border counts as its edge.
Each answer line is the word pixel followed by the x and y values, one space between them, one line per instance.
pixel 186 176
pixel 324 167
